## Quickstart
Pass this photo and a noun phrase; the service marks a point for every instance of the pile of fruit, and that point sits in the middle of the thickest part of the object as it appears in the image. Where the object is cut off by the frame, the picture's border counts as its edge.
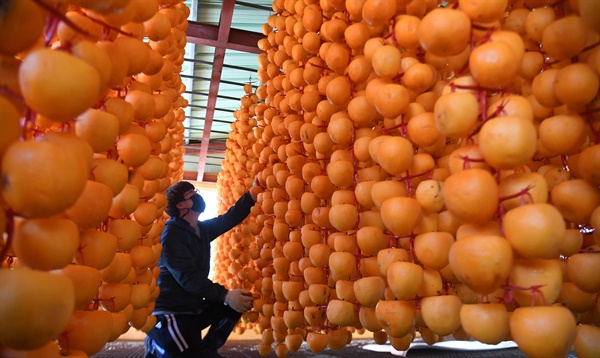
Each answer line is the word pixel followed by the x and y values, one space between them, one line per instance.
pixel 91 136
pixel 429 167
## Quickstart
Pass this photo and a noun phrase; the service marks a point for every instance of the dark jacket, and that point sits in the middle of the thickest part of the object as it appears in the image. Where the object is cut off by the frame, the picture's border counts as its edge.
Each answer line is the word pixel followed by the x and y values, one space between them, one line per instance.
pixel 185 261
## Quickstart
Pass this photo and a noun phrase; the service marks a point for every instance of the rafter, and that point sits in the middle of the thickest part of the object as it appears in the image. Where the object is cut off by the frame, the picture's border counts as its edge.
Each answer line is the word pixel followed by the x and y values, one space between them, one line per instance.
pixel 208 35
pixel 215 78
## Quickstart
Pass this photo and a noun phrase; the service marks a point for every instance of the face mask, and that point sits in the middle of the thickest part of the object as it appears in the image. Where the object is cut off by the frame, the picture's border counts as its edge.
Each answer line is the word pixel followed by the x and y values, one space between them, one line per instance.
pixel 198 204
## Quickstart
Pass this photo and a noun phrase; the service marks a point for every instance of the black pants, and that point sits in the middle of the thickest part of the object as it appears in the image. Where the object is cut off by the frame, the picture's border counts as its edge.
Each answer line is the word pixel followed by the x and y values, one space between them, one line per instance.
pixel 180 335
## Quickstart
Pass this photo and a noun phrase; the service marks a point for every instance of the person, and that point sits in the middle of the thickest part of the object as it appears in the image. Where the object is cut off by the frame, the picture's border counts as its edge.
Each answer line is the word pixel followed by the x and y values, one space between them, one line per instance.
pixel 189 301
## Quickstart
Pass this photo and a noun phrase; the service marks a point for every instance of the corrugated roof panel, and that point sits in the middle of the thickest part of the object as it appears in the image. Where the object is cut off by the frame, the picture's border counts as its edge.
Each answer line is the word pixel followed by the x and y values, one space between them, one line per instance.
pixel 248 15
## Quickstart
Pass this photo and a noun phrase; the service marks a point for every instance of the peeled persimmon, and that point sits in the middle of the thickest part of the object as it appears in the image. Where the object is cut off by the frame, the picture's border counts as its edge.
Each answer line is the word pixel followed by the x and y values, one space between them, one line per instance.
pixel 138 52
pixel 576 84
pixel 441 313
pixel 555 323
pixel 30 299
pixel 401 215
pixel 588 164
pixel 445 31
pixel 507 142
pixel 46 244
pixel 48 77
pixel 11 127
pixel 456 114
pixel 575 199
pixel 539 281
pixel 471 195
pixel 386 61
pixel 92 206
pixel 395 155
pixel 41 179
pixel 432 249
pixel 565 37
pixel 482 262
pixel 133 149
pixel 486 322
pixel 523 188
pixel 99 128
pixel 392 100
pixel 481 11
pixel 535 230
pixel 493 64
pixel 406 31
pixel 29 32
pixel 378 12
pixel 537 21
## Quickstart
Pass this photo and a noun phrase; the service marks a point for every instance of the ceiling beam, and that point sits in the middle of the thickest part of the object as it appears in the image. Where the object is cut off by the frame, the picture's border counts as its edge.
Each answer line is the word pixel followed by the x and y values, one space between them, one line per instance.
pixel 208 177
pixel 238 40
pixel 223 32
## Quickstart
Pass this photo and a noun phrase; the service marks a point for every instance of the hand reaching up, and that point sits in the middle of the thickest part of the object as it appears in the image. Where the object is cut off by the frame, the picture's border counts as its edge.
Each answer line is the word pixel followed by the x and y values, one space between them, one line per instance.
pixel 256 189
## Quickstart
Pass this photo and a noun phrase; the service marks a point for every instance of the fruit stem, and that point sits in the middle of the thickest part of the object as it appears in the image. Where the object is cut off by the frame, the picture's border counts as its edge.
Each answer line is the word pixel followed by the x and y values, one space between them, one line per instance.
pixel 393 241
pixel 412 247
pixel 467 161
pixel 50 29
pixel 535 289
pixel 522 193
pixel 63 343
pixel 384 130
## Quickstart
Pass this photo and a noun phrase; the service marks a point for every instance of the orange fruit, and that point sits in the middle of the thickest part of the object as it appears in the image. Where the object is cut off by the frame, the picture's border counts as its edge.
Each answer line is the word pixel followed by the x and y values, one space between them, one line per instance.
pixel 98 128
pixel 486 322
pixel 17 35
pixel 41 179
pixel 482 262
pixel 456 114
pixel 392 100
pixel 471 195
pixel 386 61
pixel 11 125
pixel 445 31
pixel 576 199
pixel 46 244
pixel 589 162
pixel 563 134
pixel 546 275
pixel 378 12
pixel 565 37
pixel 406 31
pixel 493 64
pixel 507 142
pixel 30 299
pixel 586 340
pixel 92 206
pixel 483 11
pixel 555 323
pixel 395 155
pixel 576 84
pixel 48 77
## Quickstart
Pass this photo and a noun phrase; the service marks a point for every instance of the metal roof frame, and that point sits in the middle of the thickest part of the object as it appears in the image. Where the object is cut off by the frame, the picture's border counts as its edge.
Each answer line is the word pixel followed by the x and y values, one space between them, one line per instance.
pixel 223 36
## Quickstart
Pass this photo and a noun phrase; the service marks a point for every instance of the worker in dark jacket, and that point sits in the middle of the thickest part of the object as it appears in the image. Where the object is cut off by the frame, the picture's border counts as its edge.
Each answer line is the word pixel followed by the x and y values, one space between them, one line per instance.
pixel 189 301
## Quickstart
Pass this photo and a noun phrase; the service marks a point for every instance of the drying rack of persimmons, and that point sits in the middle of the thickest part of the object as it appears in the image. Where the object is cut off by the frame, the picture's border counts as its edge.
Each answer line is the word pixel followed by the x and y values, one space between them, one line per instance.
pixel 428 167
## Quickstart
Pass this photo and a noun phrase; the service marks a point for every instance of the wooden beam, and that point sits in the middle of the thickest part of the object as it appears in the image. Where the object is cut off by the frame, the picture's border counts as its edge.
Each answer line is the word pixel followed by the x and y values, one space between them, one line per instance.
pixel 215 78
pixel 208 177
pixel 238 40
